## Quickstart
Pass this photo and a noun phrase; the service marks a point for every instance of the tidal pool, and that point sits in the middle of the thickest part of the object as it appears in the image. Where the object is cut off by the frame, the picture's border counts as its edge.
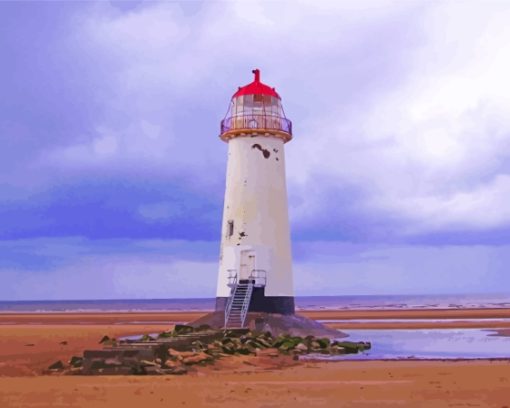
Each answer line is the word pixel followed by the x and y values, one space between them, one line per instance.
pixel 428 344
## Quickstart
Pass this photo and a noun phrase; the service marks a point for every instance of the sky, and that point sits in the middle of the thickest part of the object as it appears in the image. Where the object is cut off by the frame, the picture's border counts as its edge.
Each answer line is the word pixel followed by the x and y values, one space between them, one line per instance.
pixel 112 174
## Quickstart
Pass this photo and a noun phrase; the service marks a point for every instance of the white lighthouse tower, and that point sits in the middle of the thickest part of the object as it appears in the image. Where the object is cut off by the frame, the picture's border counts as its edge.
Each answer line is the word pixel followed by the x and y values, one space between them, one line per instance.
pixel 255 272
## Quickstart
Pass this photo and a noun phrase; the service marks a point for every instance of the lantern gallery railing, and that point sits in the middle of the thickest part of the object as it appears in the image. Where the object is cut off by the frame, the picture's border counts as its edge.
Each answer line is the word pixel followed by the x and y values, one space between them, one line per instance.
pixel 259 122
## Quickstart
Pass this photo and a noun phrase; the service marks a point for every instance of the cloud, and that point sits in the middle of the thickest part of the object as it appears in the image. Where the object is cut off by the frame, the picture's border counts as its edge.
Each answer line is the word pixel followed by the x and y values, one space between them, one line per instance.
pixel 77 268
pixel 401 127
pixel 432 152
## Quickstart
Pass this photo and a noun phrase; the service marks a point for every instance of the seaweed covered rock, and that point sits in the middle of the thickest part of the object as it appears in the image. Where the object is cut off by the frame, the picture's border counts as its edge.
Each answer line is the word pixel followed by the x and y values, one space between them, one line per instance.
pixel 147 337
pixel 175 352
pixel 107 341
pixel 180 329
pixel 56 366
pixel 76 361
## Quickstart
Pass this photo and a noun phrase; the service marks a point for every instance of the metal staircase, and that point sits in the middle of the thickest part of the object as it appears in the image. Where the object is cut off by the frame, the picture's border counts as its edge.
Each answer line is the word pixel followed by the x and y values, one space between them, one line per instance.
pixel 238 303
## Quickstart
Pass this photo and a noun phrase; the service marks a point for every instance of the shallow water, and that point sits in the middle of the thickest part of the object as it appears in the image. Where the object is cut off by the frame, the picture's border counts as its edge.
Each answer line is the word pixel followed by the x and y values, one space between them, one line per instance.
pixel 422 320
pixel 428 344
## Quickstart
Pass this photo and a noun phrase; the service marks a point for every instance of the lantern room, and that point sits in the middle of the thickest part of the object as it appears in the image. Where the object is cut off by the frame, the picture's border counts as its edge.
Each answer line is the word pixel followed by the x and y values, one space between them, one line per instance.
pixel 256 108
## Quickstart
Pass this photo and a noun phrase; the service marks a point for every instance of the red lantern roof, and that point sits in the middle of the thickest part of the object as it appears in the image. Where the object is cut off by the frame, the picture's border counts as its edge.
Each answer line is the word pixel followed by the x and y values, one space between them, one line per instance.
pixel 256 88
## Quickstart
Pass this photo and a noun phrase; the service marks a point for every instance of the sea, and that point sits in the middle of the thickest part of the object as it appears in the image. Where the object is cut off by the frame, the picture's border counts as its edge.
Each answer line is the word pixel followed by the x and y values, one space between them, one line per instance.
pixel 376 302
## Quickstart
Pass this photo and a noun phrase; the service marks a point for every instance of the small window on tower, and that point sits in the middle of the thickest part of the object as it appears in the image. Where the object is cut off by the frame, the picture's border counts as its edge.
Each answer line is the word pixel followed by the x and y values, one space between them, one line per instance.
pixel 230 228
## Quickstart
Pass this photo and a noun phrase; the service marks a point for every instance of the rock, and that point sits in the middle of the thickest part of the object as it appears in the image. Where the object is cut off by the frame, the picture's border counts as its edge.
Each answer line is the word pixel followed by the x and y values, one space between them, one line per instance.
pixel 301 348
pixel 197 345
pixel 175 357
pixel 228 349
pixel 286 346
pixel 253 344
pixel 228 346
pixel 263 341
pixel 56 366
pixel 180 355
pixel 76 361
pixel 138 369
pixel 296 340
pixel 213 347
pixel 245 350
pixel 323 342
pixel 334 349
pixel 121 370
pixel 138 354
pixel 197 358
pixel 175 371
pixel 153 370
pixel 280 340
pixel 97 364
pixel 348 346
pixel 107 341
pixel 170 364
pixel 183 329
pixel 146 337
pixel 269 352
pixel 236 341
pixel 95 360
pixel 112 362
pixel 364 345
pixel 148 363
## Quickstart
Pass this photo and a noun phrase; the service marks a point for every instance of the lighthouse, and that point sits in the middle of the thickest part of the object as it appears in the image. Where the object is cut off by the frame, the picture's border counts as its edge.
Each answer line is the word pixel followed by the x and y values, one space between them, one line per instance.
pixel 255 268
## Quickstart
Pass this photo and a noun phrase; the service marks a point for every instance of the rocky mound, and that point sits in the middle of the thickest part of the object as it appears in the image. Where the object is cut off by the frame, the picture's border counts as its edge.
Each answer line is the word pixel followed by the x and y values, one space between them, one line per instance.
pixel 159 355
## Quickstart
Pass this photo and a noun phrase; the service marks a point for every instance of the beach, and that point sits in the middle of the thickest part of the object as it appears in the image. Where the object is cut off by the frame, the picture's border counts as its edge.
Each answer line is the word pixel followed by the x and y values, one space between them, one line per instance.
pixel 30 342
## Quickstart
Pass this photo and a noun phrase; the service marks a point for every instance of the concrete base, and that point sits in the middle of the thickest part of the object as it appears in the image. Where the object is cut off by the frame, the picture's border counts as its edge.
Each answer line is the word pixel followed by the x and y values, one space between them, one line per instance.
pixel 262 303
pixel 277 324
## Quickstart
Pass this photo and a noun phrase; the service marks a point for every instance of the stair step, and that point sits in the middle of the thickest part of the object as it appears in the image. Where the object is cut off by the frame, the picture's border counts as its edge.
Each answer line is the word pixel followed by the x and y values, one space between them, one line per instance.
pixel 238 305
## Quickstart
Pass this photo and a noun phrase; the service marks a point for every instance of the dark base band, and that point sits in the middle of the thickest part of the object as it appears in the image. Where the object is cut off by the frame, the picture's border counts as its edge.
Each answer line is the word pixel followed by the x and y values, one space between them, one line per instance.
pixel 266 304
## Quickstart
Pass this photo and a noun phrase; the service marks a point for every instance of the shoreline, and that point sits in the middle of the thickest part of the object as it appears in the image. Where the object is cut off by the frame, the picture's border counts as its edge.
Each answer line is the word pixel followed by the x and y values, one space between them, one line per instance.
pixel 379 319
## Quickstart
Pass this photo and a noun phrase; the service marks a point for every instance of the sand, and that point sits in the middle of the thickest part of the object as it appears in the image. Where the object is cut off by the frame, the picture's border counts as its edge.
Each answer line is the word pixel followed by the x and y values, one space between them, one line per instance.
pixel 239 380
pixel 353 384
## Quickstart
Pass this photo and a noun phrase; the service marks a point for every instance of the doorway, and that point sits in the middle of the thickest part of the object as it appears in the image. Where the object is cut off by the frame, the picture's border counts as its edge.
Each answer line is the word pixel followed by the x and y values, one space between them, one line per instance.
pixel 247 264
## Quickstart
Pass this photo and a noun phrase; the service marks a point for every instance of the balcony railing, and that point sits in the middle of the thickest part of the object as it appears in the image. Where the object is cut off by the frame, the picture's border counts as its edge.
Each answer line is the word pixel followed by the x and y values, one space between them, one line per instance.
pixel 257 276
pixel 256 122
pixel 232 277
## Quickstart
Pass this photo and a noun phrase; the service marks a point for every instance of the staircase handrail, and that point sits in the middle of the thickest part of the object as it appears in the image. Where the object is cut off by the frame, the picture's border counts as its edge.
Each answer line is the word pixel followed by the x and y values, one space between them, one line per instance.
pixel 246 303
pixel 230 300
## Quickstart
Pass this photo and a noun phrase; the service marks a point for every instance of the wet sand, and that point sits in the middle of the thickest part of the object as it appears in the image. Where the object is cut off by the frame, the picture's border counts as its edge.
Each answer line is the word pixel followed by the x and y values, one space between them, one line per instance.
pixel 347 384
pixel 29 343
pixel 466 318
